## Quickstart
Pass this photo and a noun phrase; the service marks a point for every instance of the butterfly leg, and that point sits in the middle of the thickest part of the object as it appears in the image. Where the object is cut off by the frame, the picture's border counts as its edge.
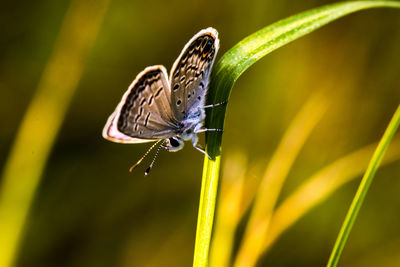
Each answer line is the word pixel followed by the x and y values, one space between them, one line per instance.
pixel 216 105
pixel 195 140
pixel 208 130
pixel 202 151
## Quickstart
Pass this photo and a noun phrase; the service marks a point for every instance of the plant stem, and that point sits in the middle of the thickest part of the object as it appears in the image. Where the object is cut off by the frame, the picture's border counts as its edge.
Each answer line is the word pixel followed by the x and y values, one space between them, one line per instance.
pixel 208 196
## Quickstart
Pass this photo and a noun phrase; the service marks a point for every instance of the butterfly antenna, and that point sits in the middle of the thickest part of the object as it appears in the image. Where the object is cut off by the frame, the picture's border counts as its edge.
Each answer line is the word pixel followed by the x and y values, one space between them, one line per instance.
pixel 154 159
pixel 145 154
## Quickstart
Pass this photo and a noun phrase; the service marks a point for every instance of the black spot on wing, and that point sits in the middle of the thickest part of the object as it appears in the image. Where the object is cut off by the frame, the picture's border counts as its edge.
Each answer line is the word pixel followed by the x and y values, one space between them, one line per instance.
pixel 151 100
pixel 207 47
pixel 189 81
pixel 158 91
pixel 146 119
pixel 198 74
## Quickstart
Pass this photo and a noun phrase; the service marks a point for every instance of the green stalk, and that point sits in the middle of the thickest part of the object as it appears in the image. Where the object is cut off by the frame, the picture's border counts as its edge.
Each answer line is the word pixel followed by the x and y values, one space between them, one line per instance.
pixel 227 70
pixel 363 188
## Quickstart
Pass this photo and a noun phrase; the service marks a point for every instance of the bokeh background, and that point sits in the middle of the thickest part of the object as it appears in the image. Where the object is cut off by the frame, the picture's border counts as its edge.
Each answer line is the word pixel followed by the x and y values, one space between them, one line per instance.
pixel 90 211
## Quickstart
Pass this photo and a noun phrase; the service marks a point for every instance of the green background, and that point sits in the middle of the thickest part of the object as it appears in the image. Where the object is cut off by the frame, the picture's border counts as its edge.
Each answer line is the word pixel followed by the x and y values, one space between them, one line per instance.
pixel 90 211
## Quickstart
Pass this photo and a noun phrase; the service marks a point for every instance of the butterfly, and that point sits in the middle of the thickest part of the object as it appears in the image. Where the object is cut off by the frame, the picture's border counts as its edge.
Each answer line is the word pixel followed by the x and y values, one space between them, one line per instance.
pixel 167 110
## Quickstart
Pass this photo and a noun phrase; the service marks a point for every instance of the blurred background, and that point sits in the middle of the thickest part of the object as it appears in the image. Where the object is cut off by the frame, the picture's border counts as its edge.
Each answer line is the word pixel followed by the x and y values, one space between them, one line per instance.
pixel 88 210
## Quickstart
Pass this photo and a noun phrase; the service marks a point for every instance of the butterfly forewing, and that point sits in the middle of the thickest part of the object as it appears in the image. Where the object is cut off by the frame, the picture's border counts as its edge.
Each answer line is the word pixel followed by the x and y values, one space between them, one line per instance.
pixel 145 109
pixel 191 71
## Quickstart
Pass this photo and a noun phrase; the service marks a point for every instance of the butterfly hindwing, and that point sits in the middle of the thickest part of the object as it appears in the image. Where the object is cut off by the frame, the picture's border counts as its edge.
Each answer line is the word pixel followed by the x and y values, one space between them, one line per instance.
pixel 190 73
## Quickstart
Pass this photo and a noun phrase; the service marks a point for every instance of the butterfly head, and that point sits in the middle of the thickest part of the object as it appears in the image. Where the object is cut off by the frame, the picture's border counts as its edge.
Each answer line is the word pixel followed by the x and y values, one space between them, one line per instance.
pixel 173 144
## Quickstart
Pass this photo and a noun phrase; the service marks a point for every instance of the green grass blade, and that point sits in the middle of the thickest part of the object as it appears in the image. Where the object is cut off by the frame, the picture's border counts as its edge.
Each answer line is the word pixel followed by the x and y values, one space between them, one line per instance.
pixel 363 188
pixel 227 70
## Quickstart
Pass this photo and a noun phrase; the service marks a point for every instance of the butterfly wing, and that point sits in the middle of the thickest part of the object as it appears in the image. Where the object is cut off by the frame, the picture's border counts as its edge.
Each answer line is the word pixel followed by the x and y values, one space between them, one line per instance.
pixel 144 113
pixel 190 73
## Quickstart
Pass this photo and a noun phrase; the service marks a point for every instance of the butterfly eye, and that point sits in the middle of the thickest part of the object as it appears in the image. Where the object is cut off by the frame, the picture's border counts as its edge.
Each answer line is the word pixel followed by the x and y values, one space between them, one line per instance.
pixel 174 142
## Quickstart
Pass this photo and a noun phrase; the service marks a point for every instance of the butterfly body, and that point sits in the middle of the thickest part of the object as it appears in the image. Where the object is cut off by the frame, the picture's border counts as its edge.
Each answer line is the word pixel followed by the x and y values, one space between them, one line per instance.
pixel 172 109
